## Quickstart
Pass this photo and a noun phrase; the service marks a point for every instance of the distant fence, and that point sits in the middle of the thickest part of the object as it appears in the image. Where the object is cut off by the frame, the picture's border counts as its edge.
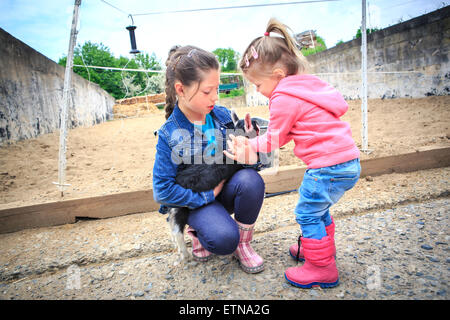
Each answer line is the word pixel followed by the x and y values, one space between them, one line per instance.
pixel 153 98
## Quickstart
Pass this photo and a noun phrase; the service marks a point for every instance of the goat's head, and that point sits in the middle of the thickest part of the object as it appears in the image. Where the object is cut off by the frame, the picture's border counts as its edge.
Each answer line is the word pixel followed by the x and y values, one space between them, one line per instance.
pixel 248 125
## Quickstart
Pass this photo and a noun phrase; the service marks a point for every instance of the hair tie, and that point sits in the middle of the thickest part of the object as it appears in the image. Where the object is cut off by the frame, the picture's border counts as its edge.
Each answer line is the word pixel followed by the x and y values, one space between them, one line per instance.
pixel 266 34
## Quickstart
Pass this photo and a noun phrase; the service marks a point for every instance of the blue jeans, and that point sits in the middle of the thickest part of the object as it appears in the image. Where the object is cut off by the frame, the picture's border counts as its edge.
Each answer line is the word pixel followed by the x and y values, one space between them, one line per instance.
pixel 216 230
pixel 320 189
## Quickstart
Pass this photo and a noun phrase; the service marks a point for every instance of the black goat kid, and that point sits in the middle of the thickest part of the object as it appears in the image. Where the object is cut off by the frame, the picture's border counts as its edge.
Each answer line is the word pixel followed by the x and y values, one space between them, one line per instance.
pixel 203 177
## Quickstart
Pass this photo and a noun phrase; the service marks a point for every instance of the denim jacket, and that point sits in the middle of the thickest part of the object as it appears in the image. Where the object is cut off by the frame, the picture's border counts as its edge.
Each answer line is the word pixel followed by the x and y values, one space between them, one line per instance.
pixel 176 144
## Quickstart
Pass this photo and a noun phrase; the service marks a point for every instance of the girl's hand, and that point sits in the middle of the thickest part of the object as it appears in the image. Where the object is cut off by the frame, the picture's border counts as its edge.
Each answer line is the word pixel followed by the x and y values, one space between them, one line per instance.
pixel 241 150
pixel 218 188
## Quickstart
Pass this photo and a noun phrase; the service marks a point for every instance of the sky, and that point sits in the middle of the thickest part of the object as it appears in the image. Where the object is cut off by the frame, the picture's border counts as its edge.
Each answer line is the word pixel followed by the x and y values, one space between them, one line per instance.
pixel 45 24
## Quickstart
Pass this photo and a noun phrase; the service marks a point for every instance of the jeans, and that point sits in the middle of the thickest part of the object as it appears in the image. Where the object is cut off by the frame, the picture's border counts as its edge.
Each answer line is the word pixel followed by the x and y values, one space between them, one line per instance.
pixel 320 189
pixel 216 230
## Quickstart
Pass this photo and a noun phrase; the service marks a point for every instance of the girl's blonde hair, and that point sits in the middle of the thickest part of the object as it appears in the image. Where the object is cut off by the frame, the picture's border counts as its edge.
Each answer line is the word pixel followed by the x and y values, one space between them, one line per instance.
pixel 266 52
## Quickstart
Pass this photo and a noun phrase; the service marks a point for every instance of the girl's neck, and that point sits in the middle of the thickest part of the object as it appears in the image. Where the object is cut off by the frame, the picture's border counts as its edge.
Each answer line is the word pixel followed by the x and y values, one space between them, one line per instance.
pixel 192 116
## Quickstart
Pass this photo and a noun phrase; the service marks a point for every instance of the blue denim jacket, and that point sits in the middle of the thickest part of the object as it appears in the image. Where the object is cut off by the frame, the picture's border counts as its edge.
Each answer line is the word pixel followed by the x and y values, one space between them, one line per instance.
pixel 175 143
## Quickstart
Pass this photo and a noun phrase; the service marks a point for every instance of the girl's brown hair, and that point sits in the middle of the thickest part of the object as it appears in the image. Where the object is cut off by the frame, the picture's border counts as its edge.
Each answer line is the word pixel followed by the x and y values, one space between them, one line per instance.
pixel 274 51
pixel 186 64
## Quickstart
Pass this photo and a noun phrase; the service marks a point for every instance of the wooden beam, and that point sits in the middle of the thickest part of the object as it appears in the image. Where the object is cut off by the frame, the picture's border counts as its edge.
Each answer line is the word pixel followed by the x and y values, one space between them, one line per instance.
pixel 62 212
pixel 290 177
pixel 277 180
pixel 419 160
pixel 283 178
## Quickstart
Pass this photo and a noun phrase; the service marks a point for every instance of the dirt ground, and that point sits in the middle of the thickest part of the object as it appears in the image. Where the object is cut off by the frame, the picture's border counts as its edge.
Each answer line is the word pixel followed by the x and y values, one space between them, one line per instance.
pixel 117 156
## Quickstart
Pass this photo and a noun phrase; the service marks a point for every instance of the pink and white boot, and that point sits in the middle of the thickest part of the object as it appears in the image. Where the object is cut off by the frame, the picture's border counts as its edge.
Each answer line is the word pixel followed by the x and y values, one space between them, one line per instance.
pixel 293 250
pixel 199 253
pixel 319 268
pixel 249 260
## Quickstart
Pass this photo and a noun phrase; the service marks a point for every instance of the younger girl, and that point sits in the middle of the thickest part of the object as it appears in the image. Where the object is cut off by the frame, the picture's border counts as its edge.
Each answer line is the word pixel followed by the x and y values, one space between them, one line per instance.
pixel 305 109
pixel 192 81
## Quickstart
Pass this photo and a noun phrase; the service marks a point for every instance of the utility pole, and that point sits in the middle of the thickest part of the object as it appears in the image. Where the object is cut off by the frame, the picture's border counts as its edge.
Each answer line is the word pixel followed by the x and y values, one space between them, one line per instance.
pixel 67 92
pixel 364 128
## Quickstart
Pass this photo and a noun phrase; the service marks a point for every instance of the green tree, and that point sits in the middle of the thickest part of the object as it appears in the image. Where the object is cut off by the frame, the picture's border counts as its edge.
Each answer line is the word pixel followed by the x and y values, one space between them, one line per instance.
pixel 116 83
pixel 97 55
pixel 368 31
pixel 321 46
pixel 144 80
pixel 227 58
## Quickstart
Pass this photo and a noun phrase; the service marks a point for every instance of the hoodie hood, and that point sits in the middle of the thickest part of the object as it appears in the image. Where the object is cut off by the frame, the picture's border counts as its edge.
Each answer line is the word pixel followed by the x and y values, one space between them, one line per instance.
pixel 314 90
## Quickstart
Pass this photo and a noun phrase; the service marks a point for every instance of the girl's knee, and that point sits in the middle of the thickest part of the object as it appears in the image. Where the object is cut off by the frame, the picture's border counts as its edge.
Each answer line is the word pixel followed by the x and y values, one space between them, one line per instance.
pixel 250 180
pixel 223 241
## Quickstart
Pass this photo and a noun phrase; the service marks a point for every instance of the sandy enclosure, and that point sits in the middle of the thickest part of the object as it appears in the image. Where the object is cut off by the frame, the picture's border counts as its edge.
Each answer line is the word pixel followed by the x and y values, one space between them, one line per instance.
pixel 117 156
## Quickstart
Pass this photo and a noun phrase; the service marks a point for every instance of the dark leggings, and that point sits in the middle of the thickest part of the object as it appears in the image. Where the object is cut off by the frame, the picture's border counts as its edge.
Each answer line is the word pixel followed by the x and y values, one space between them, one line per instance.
pixel 216 230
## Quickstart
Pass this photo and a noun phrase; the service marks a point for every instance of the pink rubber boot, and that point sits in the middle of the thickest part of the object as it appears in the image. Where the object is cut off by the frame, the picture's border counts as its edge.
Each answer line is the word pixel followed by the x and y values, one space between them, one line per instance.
pixel 249 260
pixel 330 229
pixel 198 252
pixel 319 268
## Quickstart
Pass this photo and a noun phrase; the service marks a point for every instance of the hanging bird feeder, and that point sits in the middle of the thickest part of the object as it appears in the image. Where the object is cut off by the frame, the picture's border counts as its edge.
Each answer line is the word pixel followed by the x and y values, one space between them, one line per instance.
pixel 131 29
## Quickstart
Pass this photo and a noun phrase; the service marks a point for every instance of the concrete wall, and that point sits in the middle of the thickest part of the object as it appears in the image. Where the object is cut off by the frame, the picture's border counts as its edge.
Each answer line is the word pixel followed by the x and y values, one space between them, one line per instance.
pixel 411 58
pixel 252 97
pixel 233 102
pixel 31 87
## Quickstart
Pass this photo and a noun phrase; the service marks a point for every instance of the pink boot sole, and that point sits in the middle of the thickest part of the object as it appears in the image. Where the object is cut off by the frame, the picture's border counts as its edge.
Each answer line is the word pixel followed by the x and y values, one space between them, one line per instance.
pixel 289 276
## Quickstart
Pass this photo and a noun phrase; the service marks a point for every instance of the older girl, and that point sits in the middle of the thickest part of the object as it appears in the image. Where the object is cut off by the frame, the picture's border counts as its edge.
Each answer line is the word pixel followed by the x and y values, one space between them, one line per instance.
pixel 192 81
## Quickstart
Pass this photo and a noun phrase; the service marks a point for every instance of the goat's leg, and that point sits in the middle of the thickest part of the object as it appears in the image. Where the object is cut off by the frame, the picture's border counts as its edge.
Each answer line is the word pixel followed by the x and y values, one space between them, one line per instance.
pixel 177 233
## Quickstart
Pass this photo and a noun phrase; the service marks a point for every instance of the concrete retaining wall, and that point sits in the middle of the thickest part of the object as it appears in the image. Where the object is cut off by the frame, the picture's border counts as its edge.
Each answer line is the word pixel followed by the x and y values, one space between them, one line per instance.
pixel 233 102
pixel 252 97
pixel 31 87
pixel 410 59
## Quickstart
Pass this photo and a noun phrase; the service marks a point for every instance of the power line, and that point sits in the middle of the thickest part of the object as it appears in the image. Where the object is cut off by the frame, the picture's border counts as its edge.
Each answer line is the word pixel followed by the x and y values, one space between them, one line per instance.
pixel 233 7
pixel 400 4
pixel 219 8
pixel 119 69
pixel 239 73
pixel 113 6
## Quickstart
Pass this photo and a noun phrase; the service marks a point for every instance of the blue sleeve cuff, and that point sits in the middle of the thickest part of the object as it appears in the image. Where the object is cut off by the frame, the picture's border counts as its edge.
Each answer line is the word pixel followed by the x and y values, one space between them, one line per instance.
pixel 209 196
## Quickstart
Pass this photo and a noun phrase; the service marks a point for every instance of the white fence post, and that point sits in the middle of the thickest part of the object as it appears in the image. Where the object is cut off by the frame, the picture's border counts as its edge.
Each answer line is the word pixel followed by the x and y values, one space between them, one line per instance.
pixel 364 127
pixel 66 100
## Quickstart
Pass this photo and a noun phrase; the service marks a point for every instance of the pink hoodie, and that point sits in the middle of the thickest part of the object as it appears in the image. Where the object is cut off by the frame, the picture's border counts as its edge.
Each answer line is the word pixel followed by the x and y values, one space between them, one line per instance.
pixel 307 110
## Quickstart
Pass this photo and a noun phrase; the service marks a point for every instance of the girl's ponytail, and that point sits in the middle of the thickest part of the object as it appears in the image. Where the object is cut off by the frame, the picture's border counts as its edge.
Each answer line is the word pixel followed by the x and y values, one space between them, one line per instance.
pixel 271 51
pixel 171 97
pixel 276 26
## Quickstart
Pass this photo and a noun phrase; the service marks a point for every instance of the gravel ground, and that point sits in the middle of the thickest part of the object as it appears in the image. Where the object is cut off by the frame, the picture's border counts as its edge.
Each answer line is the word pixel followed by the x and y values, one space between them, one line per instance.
pixel 392 239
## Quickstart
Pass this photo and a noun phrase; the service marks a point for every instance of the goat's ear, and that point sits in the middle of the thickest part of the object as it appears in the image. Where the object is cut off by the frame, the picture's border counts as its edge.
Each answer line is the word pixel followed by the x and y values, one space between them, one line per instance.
pixel 258 129
pixel 234 117
pixel 248 123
